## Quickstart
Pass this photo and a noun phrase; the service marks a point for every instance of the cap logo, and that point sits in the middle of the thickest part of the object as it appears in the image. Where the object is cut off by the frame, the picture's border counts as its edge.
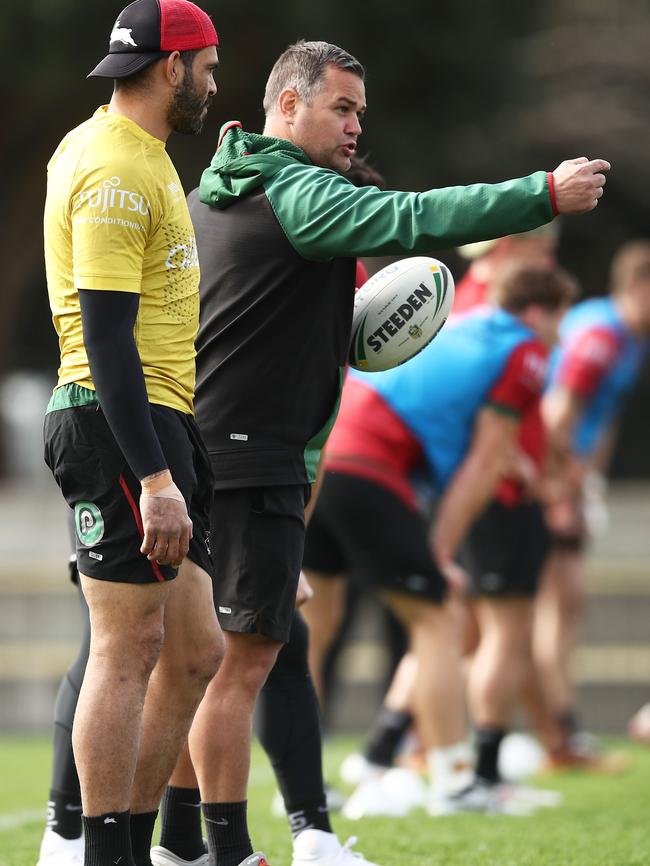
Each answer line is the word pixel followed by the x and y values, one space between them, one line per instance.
pixel 122 34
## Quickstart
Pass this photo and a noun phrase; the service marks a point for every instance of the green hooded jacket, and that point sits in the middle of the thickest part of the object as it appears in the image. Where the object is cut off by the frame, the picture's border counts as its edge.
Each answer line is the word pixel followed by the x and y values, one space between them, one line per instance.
pixel 278 238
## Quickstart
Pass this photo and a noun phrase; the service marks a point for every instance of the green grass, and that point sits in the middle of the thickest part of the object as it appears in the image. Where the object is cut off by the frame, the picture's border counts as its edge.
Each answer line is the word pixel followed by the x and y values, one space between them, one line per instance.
pixel 604 822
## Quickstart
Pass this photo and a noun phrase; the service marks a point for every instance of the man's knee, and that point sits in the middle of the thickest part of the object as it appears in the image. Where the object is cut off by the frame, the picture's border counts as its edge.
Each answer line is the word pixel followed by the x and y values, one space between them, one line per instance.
pixel 207 659
pixel 326 610
pixel 192 661
pixel 136 650
pixel 249 659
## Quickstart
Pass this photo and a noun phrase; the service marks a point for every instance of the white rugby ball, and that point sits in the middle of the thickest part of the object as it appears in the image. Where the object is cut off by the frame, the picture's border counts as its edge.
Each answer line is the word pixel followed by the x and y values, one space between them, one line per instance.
pixel 399 311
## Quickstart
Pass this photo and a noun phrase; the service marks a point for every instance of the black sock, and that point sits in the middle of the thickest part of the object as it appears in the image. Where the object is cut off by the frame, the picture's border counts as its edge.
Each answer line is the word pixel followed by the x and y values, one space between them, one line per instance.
pixel 309 816
pixel 289 730
pixel 64 814
pixel 488 741
pixel 386 736
pixel 180 814
pixel 227 828
pixel 142 826
pixel 568 724
pixel 108 840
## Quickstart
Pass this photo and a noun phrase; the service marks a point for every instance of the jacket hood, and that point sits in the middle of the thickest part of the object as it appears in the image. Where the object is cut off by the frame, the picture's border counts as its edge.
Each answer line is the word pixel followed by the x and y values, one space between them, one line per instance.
pixel 242 162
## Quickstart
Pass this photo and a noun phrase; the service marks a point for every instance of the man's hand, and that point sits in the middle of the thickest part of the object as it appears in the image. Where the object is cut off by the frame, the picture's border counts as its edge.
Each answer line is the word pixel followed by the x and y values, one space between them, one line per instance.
pixel 579 184
pixel 166 523
pixel 458 580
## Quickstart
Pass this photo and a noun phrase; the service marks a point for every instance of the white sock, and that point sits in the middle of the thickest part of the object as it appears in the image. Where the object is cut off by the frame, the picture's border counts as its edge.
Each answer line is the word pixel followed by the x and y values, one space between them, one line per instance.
pixel 450 768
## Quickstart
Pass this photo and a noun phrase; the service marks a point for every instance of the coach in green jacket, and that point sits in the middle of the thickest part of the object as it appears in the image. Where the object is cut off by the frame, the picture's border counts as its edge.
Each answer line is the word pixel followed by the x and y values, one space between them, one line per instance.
pixel 278 229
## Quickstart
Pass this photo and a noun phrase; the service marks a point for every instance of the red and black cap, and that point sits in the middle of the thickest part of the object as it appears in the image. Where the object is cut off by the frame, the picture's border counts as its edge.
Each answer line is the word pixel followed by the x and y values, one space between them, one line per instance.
pixel 149 29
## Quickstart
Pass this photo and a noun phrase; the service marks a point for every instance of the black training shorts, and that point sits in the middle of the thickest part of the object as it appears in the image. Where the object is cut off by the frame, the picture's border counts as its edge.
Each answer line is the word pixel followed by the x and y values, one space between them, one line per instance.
pixel 98 484
pixel 505 550
pixel 365 531
pixel 258 535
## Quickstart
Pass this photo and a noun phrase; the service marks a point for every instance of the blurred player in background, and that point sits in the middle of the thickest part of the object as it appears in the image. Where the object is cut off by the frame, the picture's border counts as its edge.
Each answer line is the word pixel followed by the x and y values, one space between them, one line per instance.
pixel 455 409
pixel 603 344
pixel 486 258
pixel 504 553
pixel 507 546
pixel 500 542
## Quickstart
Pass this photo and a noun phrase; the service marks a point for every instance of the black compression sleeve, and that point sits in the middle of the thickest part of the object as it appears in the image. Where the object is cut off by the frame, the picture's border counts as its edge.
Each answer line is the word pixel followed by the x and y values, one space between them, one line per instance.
pixel 108 319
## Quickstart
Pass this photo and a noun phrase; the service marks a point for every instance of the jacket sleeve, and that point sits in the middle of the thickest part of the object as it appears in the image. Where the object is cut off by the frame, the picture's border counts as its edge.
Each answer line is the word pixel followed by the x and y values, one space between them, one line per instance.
pixel 325 216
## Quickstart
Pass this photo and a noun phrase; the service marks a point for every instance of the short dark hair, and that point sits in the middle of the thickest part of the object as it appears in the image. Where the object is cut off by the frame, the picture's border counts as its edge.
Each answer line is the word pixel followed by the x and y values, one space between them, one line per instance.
pixel 361 173
pixel 140 78
pixel 302 66
pixel 520 285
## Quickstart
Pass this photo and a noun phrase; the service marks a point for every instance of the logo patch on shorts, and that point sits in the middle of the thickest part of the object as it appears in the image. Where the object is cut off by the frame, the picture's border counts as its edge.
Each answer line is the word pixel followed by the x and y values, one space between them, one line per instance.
pixel 416 582
pixel 89 523
pixel 225 609
pixel 491 582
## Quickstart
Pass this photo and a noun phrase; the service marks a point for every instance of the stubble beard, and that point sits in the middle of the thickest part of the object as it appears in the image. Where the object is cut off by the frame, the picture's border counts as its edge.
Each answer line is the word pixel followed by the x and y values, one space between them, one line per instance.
pixel 185 112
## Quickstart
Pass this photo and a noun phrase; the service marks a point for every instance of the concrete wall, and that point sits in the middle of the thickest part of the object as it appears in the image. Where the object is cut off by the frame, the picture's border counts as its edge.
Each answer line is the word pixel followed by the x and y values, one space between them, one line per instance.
pixel 40 622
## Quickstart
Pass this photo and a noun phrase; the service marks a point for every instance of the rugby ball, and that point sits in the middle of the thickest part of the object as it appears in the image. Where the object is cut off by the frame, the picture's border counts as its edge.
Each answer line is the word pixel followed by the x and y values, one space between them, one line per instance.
pixel 399 311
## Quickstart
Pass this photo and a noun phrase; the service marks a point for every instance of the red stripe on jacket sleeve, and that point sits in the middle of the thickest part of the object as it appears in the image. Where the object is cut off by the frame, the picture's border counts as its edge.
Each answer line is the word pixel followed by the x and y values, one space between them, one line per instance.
pixel 551 192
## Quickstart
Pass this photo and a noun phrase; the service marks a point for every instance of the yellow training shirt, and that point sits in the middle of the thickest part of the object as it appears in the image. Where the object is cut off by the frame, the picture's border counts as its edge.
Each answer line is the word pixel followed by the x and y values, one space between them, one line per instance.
pixel 116 219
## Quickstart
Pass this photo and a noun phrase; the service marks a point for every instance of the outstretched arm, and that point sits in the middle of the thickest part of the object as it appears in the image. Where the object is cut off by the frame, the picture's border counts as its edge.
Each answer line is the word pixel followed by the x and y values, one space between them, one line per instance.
pixel 325 216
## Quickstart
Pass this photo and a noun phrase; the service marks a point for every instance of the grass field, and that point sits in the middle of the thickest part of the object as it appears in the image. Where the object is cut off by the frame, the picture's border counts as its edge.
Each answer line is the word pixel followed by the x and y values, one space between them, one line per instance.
pixel 605 820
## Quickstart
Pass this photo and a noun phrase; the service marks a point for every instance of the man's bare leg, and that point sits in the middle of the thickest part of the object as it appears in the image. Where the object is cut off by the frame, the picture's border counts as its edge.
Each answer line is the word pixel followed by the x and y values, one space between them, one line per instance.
pixel 558 613
pixel 439 695
pixel 497 674
pixel 393 719
pixel 193 648
pixel 222 762
pixel 184 775
pixel 323 613
pixel 126 640
pixel 501 661
pixel 191 654
pixel 438 699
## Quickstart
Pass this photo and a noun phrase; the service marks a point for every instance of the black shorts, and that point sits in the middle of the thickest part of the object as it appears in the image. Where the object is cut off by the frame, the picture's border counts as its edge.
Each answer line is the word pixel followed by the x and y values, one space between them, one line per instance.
pixel 99 485
pixel 258 535
pixel 362 529
pixel 505 550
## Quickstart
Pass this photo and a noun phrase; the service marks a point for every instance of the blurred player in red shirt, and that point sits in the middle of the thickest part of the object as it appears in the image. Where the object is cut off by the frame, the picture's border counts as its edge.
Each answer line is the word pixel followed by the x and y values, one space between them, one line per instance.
pixel 603 345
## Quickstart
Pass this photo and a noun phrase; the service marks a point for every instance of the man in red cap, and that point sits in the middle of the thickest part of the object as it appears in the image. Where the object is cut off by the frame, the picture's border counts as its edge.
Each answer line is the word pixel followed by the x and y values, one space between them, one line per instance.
pixel 120 435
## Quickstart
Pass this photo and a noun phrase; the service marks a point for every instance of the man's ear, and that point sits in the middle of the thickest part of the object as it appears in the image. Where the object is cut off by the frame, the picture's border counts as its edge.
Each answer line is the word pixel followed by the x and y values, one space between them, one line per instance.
pixel 174 69
pixel 288 103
